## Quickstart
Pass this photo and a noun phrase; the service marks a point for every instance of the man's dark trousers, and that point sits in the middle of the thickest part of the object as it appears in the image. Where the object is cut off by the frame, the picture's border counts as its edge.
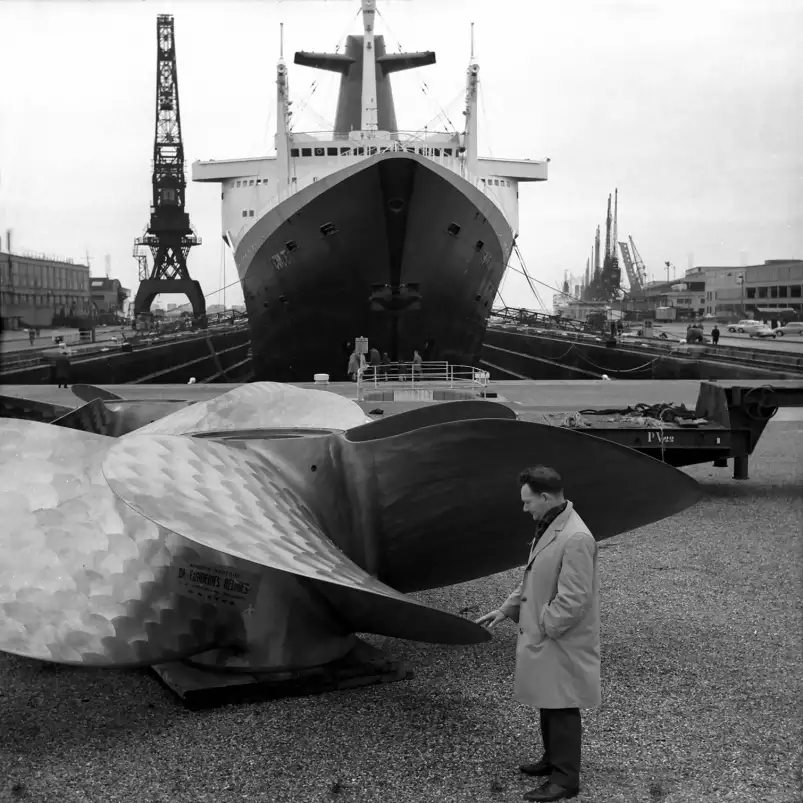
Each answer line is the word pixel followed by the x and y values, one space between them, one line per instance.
pixel 561 730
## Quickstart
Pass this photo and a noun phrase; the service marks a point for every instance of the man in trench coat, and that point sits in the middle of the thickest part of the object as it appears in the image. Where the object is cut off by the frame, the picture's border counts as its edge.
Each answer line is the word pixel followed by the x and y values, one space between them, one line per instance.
pixel 557 610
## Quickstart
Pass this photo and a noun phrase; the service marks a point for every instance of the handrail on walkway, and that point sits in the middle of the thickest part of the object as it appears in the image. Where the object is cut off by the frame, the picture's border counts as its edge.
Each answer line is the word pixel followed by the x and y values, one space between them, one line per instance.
pixel 431 374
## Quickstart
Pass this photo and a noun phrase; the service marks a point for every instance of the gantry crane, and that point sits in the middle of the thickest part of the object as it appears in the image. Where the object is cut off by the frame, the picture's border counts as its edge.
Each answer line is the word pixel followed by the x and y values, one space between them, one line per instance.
pixel 169 235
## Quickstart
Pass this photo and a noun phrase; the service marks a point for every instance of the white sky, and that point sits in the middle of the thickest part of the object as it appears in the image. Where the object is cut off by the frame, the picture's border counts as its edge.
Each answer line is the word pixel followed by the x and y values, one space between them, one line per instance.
pixel 691 107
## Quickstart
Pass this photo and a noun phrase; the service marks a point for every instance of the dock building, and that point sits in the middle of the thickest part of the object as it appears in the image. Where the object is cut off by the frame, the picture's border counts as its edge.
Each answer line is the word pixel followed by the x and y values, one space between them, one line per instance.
pixel 39 290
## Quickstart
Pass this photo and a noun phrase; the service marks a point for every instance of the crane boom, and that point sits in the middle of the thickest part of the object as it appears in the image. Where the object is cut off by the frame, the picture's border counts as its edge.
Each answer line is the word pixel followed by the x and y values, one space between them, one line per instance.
pixel 638 262
pixel 632 274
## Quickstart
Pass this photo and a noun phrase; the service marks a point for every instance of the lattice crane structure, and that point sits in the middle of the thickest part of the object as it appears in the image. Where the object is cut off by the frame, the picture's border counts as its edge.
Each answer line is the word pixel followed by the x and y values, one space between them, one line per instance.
pixel 169 235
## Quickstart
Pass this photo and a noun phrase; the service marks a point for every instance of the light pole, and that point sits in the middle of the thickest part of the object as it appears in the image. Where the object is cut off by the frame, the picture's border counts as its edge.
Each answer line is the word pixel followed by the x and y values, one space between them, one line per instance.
pixel 740 282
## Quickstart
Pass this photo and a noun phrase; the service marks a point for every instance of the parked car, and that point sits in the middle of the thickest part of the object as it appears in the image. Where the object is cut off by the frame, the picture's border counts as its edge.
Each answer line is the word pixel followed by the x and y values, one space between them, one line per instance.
pixel 761 331
pixel 791 328
pixel 745 326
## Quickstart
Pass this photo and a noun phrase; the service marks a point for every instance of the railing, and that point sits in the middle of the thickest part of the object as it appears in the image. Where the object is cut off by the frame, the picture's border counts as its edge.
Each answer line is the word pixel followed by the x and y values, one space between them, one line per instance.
pixel 435 138
pixel 409 375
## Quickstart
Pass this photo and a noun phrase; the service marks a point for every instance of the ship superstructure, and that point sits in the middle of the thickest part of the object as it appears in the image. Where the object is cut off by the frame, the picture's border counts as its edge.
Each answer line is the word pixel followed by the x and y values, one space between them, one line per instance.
pixel 400 236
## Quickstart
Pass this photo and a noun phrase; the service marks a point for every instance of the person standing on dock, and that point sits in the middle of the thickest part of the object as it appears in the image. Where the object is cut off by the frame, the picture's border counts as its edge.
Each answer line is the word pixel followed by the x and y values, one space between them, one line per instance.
pixel 62 363
pixel 715 335
pixel 417 364
pixel 354 366
pixel 557 609
pixel 375 361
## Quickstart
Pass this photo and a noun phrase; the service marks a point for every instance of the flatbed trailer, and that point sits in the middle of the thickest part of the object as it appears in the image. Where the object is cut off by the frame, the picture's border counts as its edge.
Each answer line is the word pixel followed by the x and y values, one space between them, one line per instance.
pixel 727 422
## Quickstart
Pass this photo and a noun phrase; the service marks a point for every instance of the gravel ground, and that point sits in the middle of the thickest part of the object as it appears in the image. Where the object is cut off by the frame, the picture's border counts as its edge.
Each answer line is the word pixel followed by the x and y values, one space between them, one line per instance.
pixel 701 640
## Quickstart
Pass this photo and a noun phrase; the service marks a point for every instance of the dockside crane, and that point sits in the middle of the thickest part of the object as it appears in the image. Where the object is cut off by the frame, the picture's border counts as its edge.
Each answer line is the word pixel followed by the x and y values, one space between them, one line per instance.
pixel 169 235
pixel 638 263
pixel 632 276
pixel 636 272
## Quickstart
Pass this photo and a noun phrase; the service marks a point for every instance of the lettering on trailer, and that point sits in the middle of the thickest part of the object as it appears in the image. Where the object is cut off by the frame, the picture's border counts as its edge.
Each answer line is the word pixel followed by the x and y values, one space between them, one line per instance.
pixel 656 436
pixel 221 585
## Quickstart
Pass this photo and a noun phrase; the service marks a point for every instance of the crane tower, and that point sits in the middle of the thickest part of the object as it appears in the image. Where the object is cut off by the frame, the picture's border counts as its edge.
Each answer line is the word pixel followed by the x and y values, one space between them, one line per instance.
pixel 169 235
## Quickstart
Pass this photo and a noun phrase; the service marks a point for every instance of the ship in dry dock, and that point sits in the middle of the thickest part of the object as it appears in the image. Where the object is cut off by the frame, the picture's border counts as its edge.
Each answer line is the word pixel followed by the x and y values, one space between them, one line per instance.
pixel 368 231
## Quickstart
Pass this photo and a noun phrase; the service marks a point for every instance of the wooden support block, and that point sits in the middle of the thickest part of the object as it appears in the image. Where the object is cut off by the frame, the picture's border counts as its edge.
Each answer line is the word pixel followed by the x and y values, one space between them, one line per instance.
pixel 201 688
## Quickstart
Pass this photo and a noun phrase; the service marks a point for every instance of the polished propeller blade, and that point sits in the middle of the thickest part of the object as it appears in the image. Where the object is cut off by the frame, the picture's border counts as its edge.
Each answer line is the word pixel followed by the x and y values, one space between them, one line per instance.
pixel 262 404
pixel 444 502
pixel 427 416
pixel 84 579
pixel 88 393
pixel 117 418
pixel 30 409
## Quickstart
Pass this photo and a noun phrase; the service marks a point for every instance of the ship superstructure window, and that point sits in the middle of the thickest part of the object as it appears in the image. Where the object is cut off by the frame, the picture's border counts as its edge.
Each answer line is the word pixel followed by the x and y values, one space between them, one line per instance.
pixel 293 151
pixel 306 151
pixel 245 213
pixel 328 229
pixel 238 183
pixel 453 229
pixel 250 213
pixel 319 151
pixel 331 151
pixel 345 151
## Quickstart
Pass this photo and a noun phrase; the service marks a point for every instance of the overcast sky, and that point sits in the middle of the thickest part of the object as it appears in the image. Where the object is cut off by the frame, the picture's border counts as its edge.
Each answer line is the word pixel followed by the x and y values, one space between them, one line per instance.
pixel 692 108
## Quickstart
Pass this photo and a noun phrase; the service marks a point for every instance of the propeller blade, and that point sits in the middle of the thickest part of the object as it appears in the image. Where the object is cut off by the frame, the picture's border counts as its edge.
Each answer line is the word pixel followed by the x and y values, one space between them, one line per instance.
pixel 91 417
pixel 84 579
pixel 445 499
pixel 117 418
pixel 262 404
pixel 30 410
pixel 427 416
pixel 88 393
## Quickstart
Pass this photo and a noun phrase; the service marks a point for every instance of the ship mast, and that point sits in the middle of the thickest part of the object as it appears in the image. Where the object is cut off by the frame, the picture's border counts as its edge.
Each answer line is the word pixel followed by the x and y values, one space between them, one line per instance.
pixel 369 105
pixel 282 117
pixel 470 132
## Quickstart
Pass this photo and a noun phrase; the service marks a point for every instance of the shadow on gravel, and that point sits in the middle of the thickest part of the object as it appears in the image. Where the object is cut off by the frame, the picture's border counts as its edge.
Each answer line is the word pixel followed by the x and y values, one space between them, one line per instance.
pixel 47 707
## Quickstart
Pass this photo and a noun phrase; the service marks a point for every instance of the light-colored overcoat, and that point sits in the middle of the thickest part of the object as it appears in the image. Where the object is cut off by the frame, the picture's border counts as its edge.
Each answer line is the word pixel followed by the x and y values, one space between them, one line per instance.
pixel 557 610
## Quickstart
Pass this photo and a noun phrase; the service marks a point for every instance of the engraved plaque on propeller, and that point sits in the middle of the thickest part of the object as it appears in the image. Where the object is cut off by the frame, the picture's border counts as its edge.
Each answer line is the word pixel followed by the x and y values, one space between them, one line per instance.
pixel 220 585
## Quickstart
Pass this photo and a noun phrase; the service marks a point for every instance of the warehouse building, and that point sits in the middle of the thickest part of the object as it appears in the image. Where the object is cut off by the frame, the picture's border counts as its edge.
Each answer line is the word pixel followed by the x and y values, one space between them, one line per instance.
pixel 38 290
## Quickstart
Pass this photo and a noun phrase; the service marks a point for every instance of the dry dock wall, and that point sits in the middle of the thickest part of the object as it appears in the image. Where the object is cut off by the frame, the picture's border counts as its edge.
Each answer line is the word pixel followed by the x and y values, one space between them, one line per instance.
pixel 204 358
pixel 543 357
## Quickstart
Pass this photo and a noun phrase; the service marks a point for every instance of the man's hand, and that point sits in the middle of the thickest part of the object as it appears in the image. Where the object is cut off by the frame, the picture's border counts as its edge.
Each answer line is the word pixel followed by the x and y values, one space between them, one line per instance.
pixel 491 619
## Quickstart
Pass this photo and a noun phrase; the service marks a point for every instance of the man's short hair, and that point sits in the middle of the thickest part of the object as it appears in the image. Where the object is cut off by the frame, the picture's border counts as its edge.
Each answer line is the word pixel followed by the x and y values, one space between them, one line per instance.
pixel 541 479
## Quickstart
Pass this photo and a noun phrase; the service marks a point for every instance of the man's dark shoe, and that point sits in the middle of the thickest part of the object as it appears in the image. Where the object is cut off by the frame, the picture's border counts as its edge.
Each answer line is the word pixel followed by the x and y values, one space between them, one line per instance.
pixel 550 791
pixel 539 768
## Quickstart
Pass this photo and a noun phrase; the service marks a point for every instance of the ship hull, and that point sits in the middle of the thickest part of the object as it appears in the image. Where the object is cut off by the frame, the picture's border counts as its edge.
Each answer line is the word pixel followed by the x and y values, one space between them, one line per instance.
pixel 388 265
